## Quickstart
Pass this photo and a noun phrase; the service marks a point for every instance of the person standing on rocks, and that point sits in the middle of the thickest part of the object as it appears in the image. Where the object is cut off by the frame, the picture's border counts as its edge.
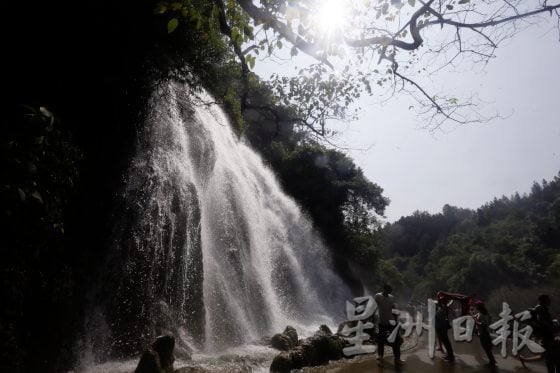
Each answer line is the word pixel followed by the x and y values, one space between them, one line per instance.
pixel 385 304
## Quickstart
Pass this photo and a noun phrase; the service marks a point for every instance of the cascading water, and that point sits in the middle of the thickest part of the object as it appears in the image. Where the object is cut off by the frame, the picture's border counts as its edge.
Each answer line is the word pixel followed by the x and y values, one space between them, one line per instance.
pixel 207 246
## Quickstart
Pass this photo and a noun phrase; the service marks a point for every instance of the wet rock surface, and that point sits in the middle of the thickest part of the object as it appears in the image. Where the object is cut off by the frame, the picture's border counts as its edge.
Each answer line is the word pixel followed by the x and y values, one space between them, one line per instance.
pixel 159 357
pixel 286 340
pixel 319 349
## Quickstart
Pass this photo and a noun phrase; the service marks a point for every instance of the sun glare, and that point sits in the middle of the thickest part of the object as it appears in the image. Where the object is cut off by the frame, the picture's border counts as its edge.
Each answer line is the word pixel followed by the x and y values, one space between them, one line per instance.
pixel 331 16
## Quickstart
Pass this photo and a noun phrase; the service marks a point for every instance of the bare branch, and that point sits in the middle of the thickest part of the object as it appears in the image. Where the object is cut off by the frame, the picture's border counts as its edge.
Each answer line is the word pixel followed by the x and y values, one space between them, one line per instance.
pixel 490 41
pixel 490 22
pixel 385 40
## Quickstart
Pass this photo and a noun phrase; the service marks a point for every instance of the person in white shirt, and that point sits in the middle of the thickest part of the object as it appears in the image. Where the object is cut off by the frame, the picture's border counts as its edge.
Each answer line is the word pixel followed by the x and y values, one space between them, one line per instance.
pixel 385 304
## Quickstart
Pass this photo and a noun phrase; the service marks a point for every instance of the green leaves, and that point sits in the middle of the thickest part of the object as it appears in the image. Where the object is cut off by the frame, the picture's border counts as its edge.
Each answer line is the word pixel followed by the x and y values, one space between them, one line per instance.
pixel 293 51
pixel 21 194
pixel 172 25
pixel 248 31
pixel 37 196
pixel 235 34
pixel 318 95
pixel 385 8
pixel 176 6
pixel 250 60
pixel 41 169
pixel 160 8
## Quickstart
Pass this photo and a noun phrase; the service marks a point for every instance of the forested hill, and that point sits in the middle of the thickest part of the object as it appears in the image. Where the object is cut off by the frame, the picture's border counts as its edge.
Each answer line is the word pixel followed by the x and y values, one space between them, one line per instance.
pixel 506 250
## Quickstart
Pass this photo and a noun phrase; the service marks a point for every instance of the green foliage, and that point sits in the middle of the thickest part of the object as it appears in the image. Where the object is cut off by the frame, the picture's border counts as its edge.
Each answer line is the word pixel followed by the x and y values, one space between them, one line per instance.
pixel 343 204
pixel 387 273
pixel 378 42
pixel 172 25
pixel 554 267
pixel 204 16
pixel 198 54
pixel 317 95
pixel 511 242
pixel 40 169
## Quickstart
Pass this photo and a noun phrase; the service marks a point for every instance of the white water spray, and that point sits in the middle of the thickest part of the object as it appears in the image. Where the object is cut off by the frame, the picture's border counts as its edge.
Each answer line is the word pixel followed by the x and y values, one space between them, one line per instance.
pixel 208 244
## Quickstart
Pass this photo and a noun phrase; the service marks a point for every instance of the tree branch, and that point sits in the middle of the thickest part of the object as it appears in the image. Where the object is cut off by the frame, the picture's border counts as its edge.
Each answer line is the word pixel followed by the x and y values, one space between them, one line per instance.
pixel 261 15
pixel 386 40
pixel 488 23
pixel 226 30
pixel 279 118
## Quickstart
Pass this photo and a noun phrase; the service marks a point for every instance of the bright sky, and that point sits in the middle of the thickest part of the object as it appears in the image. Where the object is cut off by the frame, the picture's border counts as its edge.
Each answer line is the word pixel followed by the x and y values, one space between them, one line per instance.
pixel 469 165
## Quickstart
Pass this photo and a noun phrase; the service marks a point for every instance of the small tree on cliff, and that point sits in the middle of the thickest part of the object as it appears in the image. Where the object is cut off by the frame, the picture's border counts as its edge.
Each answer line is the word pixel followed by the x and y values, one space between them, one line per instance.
pixel 386 43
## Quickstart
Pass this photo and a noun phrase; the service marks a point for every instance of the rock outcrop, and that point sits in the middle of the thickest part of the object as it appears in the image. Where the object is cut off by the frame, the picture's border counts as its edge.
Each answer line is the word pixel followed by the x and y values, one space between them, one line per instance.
pixel 159 357
pixel 286 340
pixel 322 347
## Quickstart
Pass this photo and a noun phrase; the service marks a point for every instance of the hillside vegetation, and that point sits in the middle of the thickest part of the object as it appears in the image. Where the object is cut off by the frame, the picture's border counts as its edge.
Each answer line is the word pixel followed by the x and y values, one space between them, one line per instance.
pixel 506 250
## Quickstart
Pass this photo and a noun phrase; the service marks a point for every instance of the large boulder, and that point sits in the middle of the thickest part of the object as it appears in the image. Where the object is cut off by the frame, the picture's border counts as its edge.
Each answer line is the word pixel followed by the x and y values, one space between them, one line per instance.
pixel 291 333
pixel 286 340
pixel 319 349
pixel 159 357
pixel 281 342
pixel 149 363
pixel 282 363
pixel 324 328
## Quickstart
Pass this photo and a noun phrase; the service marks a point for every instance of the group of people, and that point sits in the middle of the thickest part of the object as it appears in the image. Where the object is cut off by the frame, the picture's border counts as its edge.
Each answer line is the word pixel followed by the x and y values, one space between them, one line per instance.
pixel 541 321
pixel 482 321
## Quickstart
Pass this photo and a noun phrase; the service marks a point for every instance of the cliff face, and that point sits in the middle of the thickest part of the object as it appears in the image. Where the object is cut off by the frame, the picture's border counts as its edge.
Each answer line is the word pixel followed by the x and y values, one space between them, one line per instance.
pixel 80 68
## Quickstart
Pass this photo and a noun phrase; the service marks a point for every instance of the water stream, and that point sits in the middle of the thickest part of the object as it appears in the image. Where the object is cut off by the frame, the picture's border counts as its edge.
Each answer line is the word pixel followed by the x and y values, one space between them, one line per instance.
pixel 207 246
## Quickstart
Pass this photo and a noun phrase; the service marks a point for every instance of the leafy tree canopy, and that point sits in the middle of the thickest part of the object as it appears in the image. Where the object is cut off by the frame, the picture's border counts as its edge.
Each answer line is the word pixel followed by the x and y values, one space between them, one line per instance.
pixel 361 44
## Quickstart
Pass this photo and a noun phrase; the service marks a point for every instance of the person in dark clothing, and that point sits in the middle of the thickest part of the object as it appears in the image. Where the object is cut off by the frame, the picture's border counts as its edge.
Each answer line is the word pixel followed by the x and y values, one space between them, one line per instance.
pixel 442 326
pixel 483 321
pixel 545 330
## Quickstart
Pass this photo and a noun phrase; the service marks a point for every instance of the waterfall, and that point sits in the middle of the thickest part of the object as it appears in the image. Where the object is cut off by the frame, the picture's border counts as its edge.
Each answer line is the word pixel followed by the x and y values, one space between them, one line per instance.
pixel 207 245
